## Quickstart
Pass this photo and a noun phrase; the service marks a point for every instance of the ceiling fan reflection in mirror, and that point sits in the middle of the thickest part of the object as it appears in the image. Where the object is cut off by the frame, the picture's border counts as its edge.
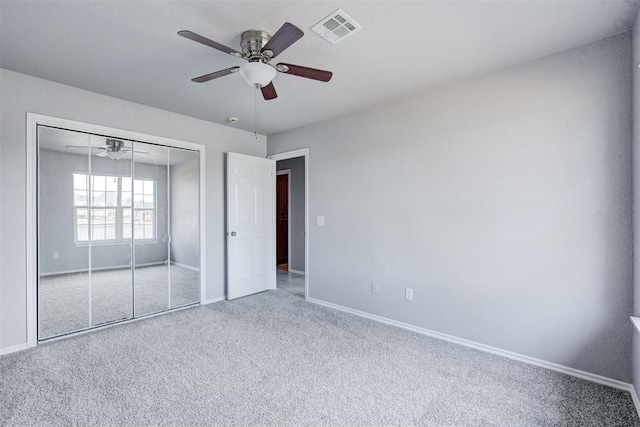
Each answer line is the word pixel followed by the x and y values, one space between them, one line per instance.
pixel 258 49
pixel 113 148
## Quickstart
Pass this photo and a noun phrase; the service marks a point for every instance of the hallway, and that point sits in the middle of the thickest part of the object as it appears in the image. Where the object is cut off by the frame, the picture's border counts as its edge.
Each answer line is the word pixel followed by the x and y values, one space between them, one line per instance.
pixel 291 283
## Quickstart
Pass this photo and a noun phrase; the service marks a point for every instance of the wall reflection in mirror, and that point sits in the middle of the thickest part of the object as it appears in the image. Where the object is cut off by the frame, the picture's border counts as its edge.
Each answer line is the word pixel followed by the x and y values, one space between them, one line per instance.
pixel 118 230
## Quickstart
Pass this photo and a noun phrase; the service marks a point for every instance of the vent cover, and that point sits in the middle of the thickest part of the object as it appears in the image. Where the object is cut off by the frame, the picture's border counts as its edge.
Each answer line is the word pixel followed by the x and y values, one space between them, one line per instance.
pixel 336 27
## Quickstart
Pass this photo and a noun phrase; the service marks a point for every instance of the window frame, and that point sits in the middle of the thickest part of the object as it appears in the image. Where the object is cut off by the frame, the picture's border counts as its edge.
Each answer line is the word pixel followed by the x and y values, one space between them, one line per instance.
pixel 119 208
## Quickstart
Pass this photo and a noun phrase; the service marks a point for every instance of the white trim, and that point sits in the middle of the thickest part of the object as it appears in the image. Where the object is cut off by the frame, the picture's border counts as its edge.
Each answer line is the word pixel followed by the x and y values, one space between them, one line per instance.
pixel 302 152
pixel 32 227
pixel 112 132
pixel 91 187
pixel 202 258
pixel 212 300
pixel 133 230
pixel 155 219
pixel 33 120
pixel 483 347
pixel 114 267
pixel 298 272
pixel 634 397
pixel 119 242
pixel 288 173
pixel 188 267
pixel 14 348
pixel 289 154
pixel 119 208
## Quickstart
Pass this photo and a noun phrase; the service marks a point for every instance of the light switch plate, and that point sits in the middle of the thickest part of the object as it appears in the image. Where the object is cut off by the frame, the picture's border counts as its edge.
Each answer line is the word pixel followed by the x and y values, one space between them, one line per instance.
pixel 408 294
pixel 320 221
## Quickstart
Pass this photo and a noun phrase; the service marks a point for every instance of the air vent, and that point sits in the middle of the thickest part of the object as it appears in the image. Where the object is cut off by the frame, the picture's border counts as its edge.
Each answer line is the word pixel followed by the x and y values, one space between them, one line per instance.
pixel 336 27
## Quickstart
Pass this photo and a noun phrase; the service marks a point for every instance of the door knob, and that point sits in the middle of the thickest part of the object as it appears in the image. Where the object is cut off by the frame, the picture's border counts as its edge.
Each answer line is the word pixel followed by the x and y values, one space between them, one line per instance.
pixel 233 233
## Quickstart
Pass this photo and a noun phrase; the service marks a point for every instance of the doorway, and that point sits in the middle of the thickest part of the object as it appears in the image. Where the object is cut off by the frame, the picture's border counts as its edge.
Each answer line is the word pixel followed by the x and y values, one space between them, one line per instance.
pixel 283 210
pixel 291 223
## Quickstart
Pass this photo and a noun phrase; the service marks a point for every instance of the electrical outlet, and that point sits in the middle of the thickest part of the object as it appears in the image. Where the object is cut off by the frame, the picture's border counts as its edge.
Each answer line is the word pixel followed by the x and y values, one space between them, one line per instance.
pixel 374 287
pixel 408 294
pixel 56 255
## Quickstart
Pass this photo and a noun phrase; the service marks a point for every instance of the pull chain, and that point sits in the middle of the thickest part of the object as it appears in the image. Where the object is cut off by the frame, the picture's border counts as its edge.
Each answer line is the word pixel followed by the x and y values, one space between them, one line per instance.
pixel 255 131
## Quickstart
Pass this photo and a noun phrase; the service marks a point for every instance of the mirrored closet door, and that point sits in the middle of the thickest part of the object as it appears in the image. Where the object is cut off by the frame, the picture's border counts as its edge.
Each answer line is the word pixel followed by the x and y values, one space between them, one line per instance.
pixel 118 233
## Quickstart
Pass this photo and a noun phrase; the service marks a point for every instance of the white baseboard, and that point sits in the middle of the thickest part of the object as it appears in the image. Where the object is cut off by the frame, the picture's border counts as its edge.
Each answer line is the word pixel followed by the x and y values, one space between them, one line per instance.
pixel 13 349
pixel 188 267
pixel 113 267
pixel 489 349
pixel 634 396
pixel 212 300
pixel 298 272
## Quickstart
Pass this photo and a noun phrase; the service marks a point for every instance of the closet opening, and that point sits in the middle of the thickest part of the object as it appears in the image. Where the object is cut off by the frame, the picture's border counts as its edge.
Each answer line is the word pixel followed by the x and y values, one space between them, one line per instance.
pixel 118 229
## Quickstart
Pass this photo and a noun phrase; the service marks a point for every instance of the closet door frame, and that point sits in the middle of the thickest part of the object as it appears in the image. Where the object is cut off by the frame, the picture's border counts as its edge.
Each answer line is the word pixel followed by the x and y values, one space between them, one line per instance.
pixel 33 120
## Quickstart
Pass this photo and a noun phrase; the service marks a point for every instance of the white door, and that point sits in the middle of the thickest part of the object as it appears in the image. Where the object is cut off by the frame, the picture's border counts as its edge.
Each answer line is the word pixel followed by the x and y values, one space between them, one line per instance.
pixel 251 264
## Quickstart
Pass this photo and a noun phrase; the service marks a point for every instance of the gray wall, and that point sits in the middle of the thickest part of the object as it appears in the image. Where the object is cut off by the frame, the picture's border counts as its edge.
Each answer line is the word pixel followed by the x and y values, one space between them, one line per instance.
pixel 636 198
pixel 296 203
pixel 20 94
pixel 184 213
pixel 56 214
pixel 504 201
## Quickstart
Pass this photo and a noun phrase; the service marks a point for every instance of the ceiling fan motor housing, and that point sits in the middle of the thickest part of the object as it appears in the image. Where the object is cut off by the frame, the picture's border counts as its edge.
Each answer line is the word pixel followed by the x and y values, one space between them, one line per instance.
pixel 114 145
pixel 252 42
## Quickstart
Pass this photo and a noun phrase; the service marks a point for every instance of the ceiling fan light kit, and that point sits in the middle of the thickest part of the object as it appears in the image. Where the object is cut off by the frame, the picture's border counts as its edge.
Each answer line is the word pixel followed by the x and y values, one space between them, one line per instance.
pixel 115 155
pixel 257 73
pixel 258 49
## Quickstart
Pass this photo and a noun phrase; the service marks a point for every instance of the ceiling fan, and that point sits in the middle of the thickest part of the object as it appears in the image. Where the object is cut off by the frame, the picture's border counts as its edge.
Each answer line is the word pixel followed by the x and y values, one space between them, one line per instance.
pixel 258 49
pixel 113 148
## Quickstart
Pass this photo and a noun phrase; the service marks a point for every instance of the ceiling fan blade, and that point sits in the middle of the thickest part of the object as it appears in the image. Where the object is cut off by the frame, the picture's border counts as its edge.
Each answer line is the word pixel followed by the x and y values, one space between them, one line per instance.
pixel 306 72
pixel 129 150
pixel 205 41
pixel 82 146
pixel 269 92
pixel 215 75
pixel 103 154
pixel 287 35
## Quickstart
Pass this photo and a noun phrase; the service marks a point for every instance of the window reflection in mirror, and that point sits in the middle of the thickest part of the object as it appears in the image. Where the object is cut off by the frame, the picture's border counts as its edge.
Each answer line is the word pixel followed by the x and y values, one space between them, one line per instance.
pixel 114 242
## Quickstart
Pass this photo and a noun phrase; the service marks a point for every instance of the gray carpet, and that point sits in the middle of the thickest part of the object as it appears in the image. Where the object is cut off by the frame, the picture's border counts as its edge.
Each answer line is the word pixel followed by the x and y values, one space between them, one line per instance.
pixel 274 359
pixel 63 300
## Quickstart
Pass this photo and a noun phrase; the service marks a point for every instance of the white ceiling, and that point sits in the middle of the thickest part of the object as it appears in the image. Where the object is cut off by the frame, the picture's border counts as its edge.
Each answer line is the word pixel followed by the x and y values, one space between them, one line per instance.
pixel 130 49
